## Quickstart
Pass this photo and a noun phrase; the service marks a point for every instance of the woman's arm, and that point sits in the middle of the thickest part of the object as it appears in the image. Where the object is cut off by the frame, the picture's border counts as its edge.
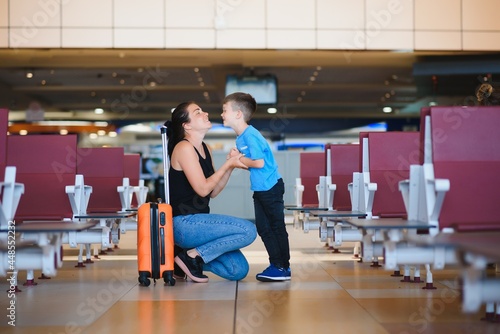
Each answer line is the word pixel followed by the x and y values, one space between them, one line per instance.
pixel 222 183
pixel 186 158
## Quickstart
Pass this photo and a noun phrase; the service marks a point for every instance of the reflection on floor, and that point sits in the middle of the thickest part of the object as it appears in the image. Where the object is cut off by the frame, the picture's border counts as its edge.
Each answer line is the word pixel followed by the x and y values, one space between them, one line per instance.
pixel 329 293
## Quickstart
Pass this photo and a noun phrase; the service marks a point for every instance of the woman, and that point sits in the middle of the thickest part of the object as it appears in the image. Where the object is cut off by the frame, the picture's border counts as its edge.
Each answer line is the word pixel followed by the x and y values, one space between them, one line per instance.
pixel 211 242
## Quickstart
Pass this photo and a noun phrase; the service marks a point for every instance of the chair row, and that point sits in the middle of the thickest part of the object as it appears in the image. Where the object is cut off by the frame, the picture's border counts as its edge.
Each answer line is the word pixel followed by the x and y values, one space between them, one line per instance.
pixel 59 188
pixel 415 186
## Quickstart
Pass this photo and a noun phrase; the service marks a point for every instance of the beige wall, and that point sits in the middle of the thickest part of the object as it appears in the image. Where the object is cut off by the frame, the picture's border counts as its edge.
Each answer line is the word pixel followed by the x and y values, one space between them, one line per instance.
pixel 252 24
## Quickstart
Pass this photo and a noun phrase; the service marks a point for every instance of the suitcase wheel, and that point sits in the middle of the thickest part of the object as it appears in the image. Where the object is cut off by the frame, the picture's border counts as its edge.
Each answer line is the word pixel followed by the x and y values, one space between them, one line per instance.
pixel 168 278
pixel 144 281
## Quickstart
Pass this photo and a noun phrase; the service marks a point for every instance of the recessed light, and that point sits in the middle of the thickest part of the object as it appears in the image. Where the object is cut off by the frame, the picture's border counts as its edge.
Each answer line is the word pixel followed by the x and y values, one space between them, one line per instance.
pixel 387 109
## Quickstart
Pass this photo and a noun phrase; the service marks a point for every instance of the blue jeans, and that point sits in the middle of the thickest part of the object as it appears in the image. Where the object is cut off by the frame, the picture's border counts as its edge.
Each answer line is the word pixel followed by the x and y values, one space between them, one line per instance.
pixel 218 239
pixel 270 222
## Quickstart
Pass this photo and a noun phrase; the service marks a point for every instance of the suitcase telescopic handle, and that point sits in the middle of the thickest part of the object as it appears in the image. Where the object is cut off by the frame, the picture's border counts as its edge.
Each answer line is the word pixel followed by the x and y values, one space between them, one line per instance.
pixel 166 162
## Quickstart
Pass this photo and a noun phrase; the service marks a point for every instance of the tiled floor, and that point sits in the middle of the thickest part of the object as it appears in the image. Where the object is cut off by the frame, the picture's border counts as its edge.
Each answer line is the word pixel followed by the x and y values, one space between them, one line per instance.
pixel 329 293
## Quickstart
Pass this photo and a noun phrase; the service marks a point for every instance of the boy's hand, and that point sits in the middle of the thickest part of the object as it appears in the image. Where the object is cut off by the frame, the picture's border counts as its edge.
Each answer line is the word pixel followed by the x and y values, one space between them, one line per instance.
pixel 233 152
pixel 235 161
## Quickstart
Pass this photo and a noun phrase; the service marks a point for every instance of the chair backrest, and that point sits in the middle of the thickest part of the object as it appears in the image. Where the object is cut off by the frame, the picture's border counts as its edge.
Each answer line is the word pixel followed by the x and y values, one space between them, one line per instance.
pixel 390 156
pixel 132 167
pixel 312 166
pixel 344 161
pixel 466 150
pixel 45 164
pixel 132 170
pixel 103 169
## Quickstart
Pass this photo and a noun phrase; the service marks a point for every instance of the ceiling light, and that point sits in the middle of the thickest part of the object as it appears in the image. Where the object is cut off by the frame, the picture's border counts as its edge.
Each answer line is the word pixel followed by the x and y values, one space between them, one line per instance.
pixel 387 109
pixel 98 111
pixel 64 123
pixel 112 134
pixel 272 110
pixel 29 74
pixel 101 132
pixel 23 132
pixel 137 128
pixel 432 103
pixel 63 132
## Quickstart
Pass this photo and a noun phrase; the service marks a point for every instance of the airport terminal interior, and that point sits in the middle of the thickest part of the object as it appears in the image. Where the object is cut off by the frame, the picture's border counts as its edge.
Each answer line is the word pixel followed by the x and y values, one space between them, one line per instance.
pixel 377 113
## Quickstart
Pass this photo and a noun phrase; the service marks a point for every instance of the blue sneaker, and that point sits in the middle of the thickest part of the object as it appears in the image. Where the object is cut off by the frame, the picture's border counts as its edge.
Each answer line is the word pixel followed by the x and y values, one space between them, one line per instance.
pixel 288 273
pixel 273 274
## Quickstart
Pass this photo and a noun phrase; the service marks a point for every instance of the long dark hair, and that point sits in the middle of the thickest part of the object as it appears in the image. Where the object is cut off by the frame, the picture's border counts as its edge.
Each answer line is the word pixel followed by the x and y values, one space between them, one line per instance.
pixel 175 129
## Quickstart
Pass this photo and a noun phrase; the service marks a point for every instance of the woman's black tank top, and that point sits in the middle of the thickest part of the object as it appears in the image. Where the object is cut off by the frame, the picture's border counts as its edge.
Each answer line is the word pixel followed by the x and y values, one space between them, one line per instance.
pixel 183 199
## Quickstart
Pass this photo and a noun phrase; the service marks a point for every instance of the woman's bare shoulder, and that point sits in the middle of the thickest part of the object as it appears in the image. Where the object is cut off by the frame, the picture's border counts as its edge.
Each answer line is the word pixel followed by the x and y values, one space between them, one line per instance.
pixel 183 149
pixel 183 144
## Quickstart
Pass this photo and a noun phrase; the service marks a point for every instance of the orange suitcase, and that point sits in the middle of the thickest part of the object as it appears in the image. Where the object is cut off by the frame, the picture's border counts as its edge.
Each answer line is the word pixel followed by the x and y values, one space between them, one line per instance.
pixel 155 243
pixel 155 235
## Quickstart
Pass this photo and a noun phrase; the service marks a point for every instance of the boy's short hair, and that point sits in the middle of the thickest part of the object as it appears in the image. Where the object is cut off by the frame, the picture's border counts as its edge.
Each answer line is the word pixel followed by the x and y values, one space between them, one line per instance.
pixel 244 102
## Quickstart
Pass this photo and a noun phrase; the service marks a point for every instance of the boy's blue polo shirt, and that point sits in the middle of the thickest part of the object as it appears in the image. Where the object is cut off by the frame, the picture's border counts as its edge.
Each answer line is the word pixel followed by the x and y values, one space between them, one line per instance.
pixel 254 146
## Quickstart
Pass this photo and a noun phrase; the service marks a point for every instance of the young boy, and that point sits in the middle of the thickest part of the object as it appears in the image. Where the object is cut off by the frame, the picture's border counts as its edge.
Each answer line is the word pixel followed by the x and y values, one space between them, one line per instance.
pixel 266 183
